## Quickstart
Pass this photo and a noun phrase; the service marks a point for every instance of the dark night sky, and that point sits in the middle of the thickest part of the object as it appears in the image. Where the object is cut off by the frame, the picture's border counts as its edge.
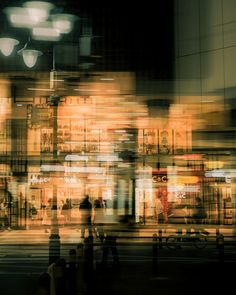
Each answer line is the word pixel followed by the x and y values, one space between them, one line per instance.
pixel 138 37
pixel 134 37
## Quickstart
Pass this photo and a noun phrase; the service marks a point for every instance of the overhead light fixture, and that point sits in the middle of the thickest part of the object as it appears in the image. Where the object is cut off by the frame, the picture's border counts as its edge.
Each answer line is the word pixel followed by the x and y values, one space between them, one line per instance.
pixel 32 13
pixel 38 10
pixel 18 17
pixel 30 56
pixel 36 15
pixel 45 32
pixel 7 45
pixel 63 22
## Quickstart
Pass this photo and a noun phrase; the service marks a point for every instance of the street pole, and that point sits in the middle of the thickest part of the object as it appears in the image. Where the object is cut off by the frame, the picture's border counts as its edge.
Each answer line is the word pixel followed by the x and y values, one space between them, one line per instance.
pixel 54 239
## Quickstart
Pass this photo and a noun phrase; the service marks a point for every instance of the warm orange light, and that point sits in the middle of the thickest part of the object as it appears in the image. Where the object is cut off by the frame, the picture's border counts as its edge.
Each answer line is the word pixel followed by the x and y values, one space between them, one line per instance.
pixel 183 179
pixel 191 157
pixel 214 164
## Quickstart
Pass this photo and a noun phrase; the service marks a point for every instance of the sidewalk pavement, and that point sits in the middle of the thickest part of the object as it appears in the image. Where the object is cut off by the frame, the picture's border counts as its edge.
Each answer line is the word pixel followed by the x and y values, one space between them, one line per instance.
pixel 172 278
pixel 135 276
pixel 71 233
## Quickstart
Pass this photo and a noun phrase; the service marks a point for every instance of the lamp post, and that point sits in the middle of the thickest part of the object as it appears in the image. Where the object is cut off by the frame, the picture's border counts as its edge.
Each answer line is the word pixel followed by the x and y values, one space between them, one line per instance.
pixel 54 239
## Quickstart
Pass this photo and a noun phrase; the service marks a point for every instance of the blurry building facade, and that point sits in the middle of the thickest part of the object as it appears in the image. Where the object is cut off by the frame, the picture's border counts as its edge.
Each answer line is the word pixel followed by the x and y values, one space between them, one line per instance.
pixel 124 138
pixel 205 90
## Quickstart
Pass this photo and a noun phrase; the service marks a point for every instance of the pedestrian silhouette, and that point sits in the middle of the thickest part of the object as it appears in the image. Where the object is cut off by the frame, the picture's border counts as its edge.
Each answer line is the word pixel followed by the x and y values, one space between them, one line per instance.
pixel 199 213
pixel 86 216
pixel 65 211
pixel 109 243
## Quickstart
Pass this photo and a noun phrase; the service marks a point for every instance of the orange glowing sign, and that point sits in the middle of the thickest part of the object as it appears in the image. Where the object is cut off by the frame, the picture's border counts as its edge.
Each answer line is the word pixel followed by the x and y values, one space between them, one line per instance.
pixel 191 157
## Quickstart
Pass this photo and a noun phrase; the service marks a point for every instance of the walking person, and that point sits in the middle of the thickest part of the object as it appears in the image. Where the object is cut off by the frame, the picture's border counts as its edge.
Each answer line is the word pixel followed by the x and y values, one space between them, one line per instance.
pixel 199 213
pixel 33 214
pixel 86 216
pixel 65 211
pixel 4 215
pixel 98 218
pixel 159 210
pixel 47 214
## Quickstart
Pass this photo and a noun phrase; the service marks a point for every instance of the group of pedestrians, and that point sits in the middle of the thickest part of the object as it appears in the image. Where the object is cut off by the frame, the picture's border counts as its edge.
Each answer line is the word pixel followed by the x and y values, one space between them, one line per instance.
pixel 198 215
pixel 90 217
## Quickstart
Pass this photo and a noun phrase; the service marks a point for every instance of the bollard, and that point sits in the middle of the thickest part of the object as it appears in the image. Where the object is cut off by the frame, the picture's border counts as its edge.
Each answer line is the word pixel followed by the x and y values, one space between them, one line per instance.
pixel 220 243
pixel 88 250
pixel 51 272
pixel 57 272
pixel 160 238
pixel 188 231
pixel 80 253
pixel 54 248
pixel 43 284
pixel 80 288
pixel 72 257
pixel 60 277
pixel 109 243
pixel 88 265
pixel 114 251
pixel 154 254
pixel 217 238
pixel 72 272
pixel 179 233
